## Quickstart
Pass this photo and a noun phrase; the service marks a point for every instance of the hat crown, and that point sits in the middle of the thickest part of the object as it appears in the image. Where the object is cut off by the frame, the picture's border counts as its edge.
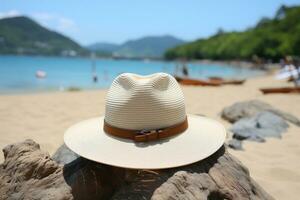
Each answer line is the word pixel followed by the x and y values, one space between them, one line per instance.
pixel 138 102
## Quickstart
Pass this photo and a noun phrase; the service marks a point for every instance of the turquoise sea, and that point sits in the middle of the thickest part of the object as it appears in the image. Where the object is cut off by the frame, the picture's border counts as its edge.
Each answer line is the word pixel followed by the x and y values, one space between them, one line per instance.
pixel 17 73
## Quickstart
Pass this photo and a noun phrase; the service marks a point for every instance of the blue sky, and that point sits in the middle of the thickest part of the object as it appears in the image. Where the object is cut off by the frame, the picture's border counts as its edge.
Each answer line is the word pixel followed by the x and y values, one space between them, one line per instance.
pixel 119 20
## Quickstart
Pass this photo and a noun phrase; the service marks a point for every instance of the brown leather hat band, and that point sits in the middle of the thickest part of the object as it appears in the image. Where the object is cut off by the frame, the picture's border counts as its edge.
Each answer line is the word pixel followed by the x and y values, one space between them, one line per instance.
pixel 146 135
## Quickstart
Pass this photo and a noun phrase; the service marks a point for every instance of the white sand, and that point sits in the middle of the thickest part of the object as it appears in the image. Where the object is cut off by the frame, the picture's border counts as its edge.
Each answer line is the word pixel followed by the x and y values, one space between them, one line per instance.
pixel 275 165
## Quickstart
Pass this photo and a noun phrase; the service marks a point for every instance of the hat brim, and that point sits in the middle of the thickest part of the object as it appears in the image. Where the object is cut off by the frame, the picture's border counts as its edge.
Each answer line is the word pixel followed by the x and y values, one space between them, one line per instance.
pixel 203 137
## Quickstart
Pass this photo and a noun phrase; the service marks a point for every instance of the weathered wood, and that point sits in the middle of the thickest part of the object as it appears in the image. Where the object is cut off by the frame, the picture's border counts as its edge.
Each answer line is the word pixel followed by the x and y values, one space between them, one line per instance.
pixel 188 81
pixel 280 90
pixel 29 173
pixel 211 82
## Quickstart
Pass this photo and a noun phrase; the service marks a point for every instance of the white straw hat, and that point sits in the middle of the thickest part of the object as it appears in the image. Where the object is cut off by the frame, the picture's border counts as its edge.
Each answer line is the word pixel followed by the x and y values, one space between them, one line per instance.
pixel 145 127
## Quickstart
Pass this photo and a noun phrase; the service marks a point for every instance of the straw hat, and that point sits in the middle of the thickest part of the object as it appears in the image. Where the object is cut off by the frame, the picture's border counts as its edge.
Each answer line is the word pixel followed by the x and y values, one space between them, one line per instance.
pixel 145 127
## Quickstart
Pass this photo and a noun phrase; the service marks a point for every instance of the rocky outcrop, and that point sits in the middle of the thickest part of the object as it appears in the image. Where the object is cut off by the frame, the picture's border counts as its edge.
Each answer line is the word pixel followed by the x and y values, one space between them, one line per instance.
pixel 64 155
pixel 255 120
pixel 29 173
pixel 247 109
pixel 235 144
pixel 258 127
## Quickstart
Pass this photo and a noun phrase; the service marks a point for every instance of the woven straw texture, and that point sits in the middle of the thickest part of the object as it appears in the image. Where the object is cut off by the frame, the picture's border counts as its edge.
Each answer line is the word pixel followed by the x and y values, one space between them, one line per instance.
pixel 144 102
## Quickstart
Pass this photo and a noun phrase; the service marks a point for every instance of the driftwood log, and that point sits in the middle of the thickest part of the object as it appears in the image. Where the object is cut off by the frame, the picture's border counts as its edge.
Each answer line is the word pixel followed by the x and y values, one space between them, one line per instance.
pixel 30 173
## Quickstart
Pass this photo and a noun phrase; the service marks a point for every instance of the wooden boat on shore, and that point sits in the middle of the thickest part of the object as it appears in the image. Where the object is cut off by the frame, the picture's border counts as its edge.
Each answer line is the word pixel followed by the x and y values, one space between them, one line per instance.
pixel 195 82
pixel 280 90
pixel 214 81
pixel 227 82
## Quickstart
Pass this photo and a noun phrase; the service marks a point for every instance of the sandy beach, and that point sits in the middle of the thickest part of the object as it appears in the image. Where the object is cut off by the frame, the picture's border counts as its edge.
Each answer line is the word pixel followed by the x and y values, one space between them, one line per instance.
pixel 274 164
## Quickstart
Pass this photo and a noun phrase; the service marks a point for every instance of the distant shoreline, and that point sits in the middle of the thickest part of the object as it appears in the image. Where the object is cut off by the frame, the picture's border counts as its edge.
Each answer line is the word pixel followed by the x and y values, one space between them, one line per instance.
pixel 236 63
pixel 75 73
pixel 49 91
pixel 68 90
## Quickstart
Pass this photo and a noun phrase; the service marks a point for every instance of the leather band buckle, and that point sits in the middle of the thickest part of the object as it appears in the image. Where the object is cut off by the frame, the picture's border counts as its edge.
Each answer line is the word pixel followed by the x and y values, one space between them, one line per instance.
pixel 147 135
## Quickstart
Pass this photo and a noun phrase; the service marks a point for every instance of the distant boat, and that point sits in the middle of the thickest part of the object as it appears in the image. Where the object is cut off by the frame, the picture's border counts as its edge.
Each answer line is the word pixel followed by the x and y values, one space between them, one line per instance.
pixel 227 82
pixel 40 74
pixel 188 81
pixel 213 81
pixel 280 90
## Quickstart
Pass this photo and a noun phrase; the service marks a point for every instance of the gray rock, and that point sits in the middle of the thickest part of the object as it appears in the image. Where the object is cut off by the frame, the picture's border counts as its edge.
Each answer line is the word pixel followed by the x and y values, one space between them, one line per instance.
pixel 262 125
pixel 29 173
pixel 235 144
pixel 288 117
pixel 64 155
pixel 246 109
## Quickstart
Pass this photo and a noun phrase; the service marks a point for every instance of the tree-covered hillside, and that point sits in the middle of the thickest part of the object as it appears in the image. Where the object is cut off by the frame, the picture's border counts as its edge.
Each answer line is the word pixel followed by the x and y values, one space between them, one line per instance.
pixel 151 46
pixel 145 47
pixel 270 39
pixel 21 35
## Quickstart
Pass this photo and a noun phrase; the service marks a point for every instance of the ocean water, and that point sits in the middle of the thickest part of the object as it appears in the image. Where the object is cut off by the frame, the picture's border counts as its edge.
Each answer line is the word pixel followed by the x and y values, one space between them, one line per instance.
pixel 17 73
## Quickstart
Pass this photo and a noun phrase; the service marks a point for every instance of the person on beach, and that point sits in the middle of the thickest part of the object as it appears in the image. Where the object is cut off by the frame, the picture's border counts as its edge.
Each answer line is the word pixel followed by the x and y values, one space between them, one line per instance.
pixel 297 76
pixel 95 77
pixel 185 70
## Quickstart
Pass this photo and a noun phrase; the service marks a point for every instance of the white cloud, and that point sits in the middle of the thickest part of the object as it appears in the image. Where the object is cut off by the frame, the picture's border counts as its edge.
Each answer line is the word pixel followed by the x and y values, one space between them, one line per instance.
pixel 49 20
pixel 9 13
pixel 55 21
pixel 43 16
pixel 65 24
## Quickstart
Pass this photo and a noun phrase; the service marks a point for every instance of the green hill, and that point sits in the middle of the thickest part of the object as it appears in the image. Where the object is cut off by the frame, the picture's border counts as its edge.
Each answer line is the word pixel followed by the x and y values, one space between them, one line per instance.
pixel 150 47
pixel 103 46
pixel 270 39
pixel 21 35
